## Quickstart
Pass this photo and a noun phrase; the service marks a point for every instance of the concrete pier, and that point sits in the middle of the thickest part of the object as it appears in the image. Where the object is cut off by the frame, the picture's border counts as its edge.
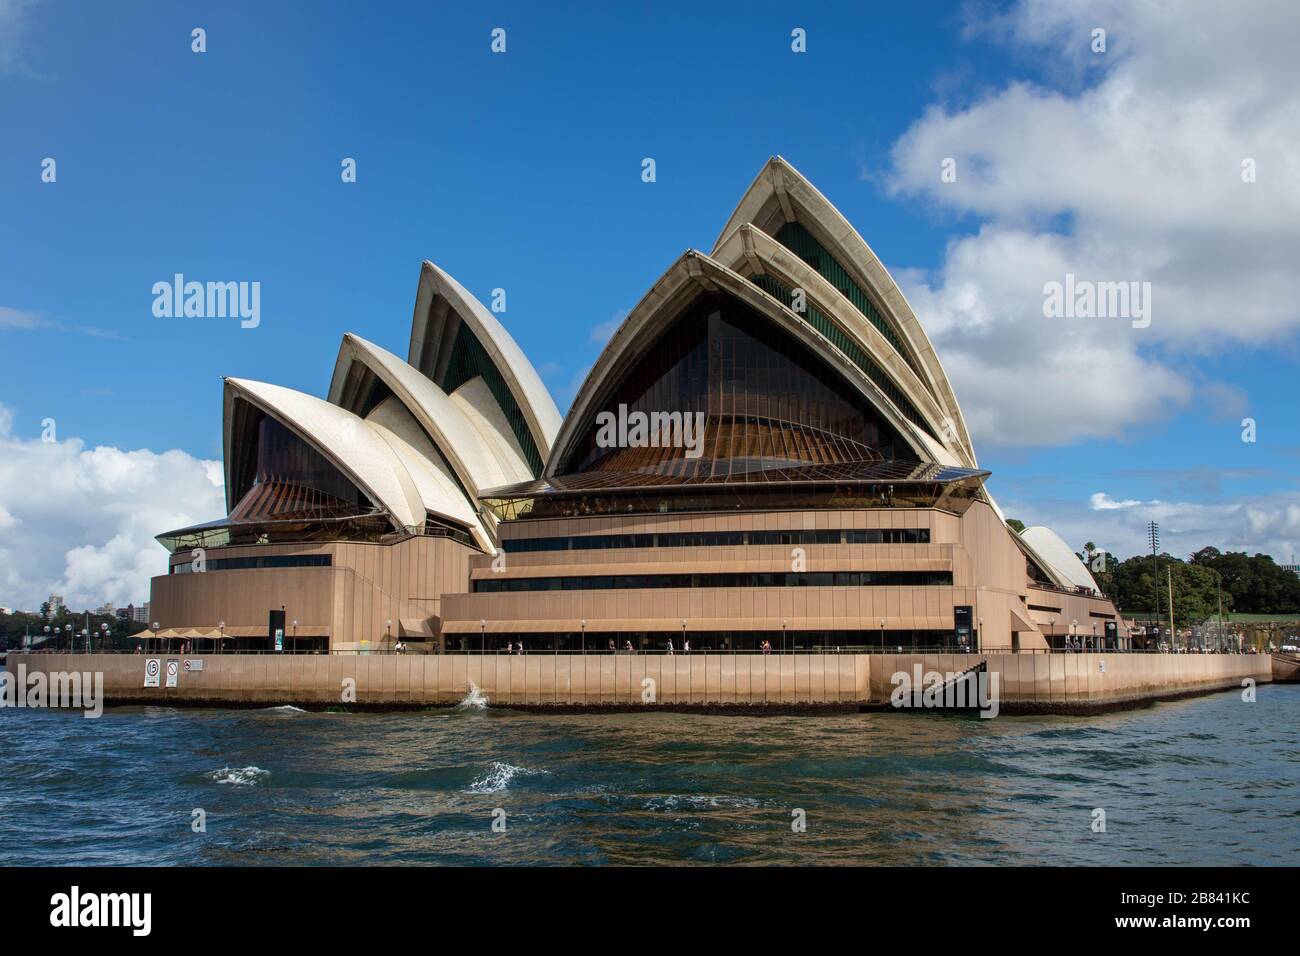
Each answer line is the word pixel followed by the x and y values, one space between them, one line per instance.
pixel 1063 683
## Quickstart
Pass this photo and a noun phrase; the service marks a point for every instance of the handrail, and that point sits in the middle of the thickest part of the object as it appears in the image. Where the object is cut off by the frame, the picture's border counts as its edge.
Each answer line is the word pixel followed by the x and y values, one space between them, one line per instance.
pixel 596 651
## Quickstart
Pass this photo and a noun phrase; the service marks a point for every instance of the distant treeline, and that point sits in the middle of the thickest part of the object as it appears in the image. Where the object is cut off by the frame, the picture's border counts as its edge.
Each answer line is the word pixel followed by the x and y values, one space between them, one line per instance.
pixel 1248 584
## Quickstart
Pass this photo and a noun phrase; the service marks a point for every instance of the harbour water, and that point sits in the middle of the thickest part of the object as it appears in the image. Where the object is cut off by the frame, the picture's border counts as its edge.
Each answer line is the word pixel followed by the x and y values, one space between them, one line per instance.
pixel 1210 780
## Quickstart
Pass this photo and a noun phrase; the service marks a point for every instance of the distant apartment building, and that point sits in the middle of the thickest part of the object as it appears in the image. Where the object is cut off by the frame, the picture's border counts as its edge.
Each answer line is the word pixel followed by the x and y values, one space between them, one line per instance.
pixel 57 606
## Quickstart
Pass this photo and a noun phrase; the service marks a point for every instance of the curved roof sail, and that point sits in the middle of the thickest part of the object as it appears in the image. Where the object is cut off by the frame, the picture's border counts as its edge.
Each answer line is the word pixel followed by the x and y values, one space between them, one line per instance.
pixel 455 340
pixel 786 206
pixel 704 339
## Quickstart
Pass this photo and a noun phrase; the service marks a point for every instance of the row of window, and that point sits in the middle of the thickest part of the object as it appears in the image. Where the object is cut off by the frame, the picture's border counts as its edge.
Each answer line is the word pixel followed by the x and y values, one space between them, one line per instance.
pixel 892 640
pixel 740 579
pixel 706 539
pixel 257 561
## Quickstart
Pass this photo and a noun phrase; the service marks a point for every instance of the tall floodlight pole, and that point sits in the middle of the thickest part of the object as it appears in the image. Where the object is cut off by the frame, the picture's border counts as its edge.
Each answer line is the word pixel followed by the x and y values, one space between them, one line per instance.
pixel 1153 536
pixel 1171 608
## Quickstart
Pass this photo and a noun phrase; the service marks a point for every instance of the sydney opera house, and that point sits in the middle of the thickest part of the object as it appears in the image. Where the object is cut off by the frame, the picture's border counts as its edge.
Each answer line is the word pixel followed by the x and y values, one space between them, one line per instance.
pixel 828 494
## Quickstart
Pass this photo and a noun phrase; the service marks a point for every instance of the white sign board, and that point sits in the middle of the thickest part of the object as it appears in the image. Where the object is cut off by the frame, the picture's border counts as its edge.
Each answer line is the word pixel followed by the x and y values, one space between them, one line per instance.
pixel 173 671
pixel 279 638
pixel 193 665
pixel 152 668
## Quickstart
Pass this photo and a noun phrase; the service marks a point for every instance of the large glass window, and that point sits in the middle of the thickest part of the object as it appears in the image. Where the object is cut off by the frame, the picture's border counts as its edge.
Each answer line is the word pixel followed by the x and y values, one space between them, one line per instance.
pixel 768 402
pixel 290 479
pixel 777 579
pixel 716 539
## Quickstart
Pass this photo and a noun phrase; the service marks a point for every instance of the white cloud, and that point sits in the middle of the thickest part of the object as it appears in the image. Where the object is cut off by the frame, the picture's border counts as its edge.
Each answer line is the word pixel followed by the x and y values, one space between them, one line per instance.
pixel 1104 502
pixel 18 319
pixel 602 333
pixel 1267 524
pixel 14 27
pixel 1135 177
pixel 81 522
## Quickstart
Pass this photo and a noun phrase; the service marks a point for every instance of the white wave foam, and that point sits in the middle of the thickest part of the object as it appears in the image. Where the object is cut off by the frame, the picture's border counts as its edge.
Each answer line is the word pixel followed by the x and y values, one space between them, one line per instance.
pixel 286 709
pixel 498 777
pixel 475 699
pixel 239 776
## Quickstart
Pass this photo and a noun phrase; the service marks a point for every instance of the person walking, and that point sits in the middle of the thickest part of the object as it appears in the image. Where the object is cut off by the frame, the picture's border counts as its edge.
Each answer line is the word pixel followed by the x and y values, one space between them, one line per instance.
pixel 670 647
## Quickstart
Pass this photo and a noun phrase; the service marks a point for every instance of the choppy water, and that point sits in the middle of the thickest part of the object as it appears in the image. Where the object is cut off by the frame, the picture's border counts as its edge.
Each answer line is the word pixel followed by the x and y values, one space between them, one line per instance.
pixel 1205 781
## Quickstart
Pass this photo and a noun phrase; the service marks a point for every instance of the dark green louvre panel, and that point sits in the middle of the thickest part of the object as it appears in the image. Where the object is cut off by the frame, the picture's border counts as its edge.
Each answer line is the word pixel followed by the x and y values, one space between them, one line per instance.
pixel 468 359
pixel 836 336
pixel 799 241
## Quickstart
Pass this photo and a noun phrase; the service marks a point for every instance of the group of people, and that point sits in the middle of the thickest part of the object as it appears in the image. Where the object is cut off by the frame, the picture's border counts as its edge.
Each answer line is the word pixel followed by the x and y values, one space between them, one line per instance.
pixel 1077 645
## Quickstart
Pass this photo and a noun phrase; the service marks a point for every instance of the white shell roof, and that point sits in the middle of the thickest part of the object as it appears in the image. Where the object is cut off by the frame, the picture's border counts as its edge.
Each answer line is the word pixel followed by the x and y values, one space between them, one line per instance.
pixel 479 463
pixel 525 385
pixel 781 187
pixel 1059 556
pixel 346 440
pixel 437 487
pixel 694 273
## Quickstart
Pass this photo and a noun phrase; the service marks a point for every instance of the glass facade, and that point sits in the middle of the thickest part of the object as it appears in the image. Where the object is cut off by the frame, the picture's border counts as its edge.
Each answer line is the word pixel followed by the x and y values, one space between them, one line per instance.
pixel 708 539
pixel 850 349
pixel 289 479
pixel 767 401
pixel 468 359
pixel 739 579
pixel 258 561
pixel 656 642
pixel 802 243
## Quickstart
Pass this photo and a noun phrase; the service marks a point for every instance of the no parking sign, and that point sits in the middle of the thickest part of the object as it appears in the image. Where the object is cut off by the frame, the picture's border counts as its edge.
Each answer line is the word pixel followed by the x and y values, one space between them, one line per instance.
pixel 173 671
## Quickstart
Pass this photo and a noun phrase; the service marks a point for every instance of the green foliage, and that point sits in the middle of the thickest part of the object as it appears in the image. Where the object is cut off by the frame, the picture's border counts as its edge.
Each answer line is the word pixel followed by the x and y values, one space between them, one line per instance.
pixel 1248 584
pixel 1257 585
pixel 1016 525
pixel 20 623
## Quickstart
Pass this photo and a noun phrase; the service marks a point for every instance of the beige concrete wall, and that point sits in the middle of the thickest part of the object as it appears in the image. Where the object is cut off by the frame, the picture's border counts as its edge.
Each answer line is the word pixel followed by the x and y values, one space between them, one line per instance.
pixel 1083 679
pixel 366 586
pixel 573 679
pixel 988 570
pixel 1047 680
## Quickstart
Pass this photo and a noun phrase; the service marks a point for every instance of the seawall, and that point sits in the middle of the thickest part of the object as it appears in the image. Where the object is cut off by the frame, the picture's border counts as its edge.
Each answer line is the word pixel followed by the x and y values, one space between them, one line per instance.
pixel 1059 683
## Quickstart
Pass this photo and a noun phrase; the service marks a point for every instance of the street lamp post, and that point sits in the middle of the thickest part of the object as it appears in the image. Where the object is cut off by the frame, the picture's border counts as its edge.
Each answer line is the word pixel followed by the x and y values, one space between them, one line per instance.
pixel 221 641
pixel 784 622
pixel 482 638
pixel 583 622
pixel 882 635
pixel 293 648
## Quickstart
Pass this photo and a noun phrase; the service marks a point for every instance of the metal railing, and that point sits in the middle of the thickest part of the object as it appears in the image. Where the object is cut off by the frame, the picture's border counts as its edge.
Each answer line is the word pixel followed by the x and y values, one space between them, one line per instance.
pixel 599 651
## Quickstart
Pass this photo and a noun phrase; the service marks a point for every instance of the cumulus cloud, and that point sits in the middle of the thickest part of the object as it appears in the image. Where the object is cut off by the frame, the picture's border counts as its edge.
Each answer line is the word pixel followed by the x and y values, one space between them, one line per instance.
pixel 1104 502
pixel 1256 524
pixel 602 333
pixel 1132 171
pixel 15 23
pixel 81 521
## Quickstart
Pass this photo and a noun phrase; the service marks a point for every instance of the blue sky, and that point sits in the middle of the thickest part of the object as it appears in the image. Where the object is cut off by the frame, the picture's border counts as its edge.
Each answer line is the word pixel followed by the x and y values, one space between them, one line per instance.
pixel 522 171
